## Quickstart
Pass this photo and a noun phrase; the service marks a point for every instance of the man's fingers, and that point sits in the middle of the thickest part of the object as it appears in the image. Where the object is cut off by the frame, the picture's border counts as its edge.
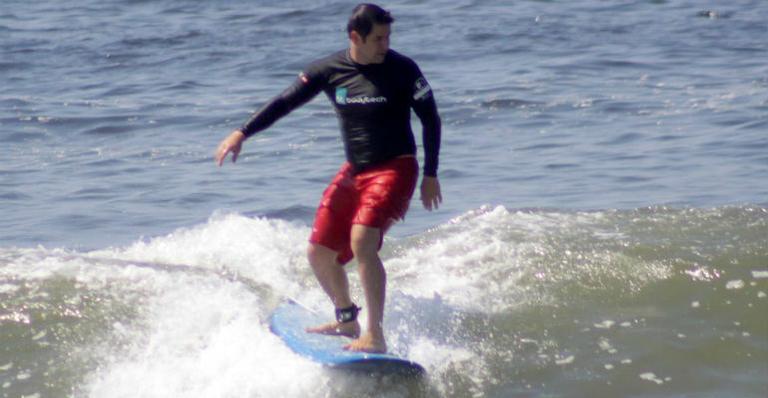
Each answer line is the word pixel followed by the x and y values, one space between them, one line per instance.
pixel 431 203
pixel 224 150
pixel 431 197
pixel 435 202
pixel 231 144
pixel 221 154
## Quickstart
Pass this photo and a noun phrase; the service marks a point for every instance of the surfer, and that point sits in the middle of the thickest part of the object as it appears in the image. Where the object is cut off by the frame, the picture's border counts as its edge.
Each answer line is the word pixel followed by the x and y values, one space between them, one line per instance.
pixel 373 90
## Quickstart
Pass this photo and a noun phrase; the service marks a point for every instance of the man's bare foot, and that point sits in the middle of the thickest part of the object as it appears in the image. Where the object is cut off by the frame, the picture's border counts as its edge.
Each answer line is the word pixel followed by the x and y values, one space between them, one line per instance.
pixel 368 343
pixel 348 329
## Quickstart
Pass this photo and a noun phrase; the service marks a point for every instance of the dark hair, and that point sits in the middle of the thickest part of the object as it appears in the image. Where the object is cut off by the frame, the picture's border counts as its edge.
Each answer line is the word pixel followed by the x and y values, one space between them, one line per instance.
pixel 364 16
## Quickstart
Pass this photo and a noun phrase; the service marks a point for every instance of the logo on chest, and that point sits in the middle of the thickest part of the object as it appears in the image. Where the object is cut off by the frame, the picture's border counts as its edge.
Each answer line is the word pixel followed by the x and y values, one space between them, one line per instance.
pixel 343 98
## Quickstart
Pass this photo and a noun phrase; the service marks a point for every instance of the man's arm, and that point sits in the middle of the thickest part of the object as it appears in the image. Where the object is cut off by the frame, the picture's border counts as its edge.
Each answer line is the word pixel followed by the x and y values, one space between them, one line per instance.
pixel 299 93
pixel 426 109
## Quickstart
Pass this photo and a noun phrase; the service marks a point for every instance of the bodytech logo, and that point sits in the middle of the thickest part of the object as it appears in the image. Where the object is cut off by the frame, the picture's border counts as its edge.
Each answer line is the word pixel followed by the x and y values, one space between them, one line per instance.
pixel 342 99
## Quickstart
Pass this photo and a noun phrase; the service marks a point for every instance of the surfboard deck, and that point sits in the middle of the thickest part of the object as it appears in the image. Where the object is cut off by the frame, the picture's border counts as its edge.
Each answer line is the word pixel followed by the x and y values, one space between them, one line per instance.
pixel 290 320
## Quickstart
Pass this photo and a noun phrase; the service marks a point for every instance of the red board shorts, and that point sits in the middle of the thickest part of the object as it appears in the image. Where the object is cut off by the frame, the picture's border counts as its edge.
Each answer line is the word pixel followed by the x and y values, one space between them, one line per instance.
pixel 376 197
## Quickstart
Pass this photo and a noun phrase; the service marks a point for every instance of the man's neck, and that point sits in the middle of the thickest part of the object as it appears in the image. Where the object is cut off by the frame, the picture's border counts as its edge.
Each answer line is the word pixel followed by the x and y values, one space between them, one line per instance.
pixel 355 56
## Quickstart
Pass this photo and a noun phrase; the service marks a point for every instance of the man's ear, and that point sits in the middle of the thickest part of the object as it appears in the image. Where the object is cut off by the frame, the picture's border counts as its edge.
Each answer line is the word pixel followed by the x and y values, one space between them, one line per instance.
pixel 356 38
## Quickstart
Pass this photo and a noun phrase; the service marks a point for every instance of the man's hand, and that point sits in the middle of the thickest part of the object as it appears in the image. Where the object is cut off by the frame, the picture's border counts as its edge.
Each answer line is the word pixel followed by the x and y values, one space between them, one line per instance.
pixel 430 193
pixel 232 144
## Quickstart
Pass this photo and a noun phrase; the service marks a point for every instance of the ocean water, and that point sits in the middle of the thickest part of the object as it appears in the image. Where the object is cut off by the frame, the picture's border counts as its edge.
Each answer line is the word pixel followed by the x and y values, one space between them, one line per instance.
pixel 604 231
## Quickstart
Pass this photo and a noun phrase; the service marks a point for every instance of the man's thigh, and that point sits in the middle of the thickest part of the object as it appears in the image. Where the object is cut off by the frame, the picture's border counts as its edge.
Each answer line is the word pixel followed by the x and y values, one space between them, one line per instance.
pixel 365 240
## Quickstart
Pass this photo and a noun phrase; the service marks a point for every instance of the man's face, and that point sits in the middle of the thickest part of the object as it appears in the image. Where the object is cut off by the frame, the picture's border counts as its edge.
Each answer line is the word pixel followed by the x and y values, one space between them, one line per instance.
pixel 373 48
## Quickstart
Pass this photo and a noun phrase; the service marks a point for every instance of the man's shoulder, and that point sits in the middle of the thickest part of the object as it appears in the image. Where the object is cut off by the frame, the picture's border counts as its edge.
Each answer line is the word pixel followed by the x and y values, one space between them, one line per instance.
pixel 334 59
pixel 400 59
pixel 402 63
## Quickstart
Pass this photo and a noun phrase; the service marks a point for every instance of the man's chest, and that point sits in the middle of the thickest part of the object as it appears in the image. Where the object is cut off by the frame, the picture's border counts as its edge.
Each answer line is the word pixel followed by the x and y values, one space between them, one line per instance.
pixel 354 88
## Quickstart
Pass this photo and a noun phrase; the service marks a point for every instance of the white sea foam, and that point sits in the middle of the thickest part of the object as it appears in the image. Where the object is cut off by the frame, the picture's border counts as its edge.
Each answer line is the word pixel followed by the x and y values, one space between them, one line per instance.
pixel 206 333
pixel 565 360
pixel 760 274
pixel 606 324
pixel 650 376
pixel 268 251
pixel 435 356
pixel 734 284
pixel 199 298
pixel 8 288
pixel 201 301
pixel 492 260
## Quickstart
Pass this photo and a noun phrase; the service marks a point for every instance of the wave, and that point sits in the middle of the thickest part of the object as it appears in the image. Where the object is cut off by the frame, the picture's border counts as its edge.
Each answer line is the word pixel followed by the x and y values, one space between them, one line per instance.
pixel 491 297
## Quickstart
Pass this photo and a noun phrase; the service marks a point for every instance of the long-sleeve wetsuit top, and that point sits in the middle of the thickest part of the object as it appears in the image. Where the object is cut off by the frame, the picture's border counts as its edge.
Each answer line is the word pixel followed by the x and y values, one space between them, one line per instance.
pixel 373 104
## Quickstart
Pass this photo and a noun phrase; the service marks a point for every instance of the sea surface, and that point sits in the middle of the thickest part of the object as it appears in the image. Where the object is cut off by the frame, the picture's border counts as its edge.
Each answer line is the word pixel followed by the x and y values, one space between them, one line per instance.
pixel 604 231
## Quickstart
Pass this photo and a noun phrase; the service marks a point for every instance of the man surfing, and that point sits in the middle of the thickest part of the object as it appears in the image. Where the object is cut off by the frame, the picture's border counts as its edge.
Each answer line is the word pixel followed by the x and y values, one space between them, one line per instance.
pixel 373 90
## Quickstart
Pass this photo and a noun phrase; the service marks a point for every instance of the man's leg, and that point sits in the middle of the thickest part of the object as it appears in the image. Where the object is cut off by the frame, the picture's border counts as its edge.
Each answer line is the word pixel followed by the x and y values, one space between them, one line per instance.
pixel 365 245
pixel 334 282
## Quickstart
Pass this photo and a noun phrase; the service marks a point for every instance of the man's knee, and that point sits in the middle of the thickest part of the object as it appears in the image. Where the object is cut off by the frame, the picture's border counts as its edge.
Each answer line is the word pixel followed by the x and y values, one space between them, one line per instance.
pixel 319 255
pixel 365 241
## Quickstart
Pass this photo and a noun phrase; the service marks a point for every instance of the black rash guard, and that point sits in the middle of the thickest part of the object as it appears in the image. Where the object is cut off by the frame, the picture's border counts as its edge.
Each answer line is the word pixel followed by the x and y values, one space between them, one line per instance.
pixel 373 103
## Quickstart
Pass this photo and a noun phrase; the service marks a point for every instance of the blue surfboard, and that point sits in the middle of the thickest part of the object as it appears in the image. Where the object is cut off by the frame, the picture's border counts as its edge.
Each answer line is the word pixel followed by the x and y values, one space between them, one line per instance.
pixel 290 320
